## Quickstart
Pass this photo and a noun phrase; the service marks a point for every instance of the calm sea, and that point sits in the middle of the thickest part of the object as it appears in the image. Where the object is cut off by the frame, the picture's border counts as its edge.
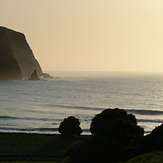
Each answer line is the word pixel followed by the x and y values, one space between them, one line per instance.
pixel 40 106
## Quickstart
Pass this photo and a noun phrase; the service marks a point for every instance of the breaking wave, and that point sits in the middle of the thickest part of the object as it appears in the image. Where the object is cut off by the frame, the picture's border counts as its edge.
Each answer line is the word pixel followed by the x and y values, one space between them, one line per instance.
pixel 146 112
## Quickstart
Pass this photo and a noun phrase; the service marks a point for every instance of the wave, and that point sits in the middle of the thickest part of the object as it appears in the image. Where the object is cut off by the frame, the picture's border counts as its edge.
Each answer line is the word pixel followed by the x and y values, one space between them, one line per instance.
pixel 134 111
pixel 75 107
pixel 7 117
pixel 28 129
pixel 42 130
pixel 35 130
pixel 145 112
pixel 26 118
pixel 151 120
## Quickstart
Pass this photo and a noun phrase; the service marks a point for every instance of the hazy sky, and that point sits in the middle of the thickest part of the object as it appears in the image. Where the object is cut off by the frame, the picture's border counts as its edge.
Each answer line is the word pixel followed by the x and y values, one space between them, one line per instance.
pixel 93 35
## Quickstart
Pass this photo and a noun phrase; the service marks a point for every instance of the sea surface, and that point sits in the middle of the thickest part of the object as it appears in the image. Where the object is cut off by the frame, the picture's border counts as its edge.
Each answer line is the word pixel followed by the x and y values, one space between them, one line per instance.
pixel 40 106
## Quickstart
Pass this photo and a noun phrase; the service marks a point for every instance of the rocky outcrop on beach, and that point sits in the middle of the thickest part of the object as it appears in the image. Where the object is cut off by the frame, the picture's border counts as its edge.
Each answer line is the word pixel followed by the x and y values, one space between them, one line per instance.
pixel 17 60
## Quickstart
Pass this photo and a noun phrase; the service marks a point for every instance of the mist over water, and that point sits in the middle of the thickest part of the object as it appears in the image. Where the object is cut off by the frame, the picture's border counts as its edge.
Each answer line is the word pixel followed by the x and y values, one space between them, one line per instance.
pixel 40 106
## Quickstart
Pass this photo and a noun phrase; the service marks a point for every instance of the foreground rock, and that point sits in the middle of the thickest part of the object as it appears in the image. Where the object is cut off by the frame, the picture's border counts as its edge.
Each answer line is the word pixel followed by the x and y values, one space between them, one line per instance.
pixel 17 60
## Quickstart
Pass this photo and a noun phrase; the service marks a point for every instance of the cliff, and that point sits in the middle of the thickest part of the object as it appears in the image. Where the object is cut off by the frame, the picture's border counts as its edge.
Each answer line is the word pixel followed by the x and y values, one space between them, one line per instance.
pixel 9 68
pixel 17 60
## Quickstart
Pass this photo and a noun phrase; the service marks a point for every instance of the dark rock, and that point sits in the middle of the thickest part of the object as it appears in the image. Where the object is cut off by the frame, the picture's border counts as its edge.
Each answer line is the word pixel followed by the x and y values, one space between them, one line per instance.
pixel 46 75
pixel 34 76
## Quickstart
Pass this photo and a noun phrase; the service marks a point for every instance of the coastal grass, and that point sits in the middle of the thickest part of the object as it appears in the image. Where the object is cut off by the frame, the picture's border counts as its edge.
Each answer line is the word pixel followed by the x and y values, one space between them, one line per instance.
pixel 50 148
pixel 36 147
pixel 153 157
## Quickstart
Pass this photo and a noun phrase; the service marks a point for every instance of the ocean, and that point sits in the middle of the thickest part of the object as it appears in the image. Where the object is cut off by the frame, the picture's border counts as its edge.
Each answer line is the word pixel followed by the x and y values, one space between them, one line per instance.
pixel 40 106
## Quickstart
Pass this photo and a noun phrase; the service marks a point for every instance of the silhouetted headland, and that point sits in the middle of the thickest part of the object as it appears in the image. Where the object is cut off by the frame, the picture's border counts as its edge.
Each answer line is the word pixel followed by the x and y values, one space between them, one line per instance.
pixel 17 60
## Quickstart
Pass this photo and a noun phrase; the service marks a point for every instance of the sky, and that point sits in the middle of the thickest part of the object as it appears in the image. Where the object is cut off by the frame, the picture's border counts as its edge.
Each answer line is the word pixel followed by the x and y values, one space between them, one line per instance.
pixel 90 35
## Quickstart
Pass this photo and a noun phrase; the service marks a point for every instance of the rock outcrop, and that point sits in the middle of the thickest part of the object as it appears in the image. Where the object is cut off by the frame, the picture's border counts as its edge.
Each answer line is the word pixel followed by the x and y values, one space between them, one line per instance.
pixel 34 76
pixel 17 60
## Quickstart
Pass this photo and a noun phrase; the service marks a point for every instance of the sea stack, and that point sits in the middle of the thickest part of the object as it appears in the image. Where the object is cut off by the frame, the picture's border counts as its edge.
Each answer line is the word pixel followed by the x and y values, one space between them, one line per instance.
pixel 17 60
pixel 34 76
